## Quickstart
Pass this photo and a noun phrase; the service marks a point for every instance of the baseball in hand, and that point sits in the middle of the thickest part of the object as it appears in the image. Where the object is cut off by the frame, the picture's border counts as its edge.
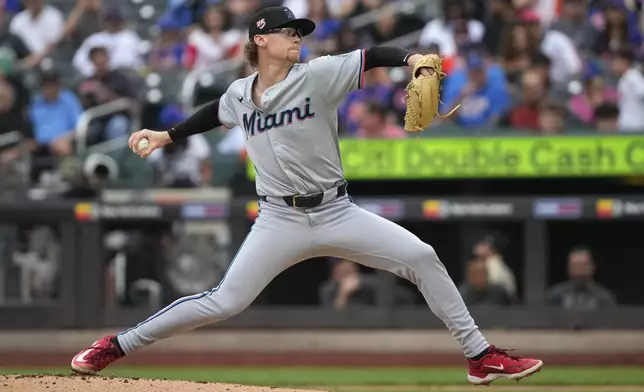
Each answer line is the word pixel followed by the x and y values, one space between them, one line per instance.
pixel 143 144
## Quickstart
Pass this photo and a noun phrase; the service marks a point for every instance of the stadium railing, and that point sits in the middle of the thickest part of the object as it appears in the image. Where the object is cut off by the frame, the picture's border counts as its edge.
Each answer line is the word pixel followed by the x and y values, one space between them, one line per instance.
pixel 83 127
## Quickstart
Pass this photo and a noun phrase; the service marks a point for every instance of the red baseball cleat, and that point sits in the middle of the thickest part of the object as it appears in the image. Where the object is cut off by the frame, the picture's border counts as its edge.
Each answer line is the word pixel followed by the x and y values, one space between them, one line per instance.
pixel 96 358
pixel 497 363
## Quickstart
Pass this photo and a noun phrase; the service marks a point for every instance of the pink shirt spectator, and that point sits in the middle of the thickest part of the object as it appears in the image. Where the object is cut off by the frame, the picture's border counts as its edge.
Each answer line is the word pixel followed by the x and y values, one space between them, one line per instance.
pixel 583 106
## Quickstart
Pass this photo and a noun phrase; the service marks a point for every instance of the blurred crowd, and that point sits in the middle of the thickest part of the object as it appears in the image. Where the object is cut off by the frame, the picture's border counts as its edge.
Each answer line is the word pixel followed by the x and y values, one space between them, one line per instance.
pixel 488 281
pixel 531 66
pixel 541 66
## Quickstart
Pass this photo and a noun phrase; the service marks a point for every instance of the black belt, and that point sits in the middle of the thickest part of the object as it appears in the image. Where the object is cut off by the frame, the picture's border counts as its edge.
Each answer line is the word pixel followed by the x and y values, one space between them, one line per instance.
pixel 309 201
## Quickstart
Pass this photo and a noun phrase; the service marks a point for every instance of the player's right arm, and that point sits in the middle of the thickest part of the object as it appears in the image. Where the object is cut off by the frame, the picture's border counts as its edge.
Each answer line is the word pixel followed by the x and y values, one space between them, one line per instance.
pixel 212 115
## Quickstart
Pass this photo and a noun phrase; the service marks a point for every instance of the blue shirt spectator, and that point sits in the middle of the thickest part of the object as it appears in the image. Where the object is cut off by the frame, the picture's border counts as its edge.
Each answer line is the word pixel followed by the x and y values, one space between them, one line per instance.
pixel 481 90
pixel 605 16
pixel 11 6
pixel 326 29
pixel 354 103
pixel 187 12
pixel 169 50
pixel 55 112
pixel 377 88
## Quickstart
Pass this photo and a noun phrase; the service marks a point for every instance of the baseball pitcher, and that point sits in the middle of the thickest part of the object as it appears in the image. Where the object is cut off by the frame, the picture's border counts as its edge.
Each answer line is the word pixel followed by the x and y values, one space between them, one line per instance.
pixel 288 112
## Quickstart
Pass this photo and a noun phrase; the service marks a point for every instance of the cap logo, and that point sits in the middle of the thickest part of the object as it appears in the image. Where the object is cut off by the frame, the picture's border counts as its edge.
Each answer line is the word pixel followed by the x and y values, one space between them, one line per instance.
pixel 289 13
pixel 261 23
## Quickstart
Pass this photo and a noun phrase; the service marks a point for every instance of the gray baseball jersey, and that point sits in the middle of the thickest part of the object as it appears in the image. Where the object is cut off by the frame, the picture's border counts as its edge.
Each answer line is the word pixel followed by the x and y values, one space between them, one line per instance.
pixel 293 142
pixel 293 138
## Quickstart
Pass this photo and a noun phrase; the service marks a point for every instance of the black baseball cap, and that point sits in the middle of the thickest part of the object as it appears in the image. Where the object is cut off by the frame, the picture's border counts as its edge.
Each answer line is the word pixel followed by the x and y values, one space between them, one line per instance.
pixel 271 18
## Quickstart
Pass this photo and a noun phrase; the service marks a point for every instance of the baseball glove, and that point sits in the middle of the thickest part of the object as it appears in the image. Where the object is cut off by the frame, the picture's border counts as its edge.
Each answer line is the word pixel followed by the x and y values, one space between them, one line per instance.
pixel 423 94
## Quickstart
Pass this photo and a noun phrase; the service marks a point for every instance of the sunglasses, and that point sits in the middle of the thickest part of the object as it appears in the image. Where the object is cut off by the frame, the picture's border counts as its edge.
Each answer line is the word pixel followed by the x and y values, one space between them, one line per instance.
pixel 287 31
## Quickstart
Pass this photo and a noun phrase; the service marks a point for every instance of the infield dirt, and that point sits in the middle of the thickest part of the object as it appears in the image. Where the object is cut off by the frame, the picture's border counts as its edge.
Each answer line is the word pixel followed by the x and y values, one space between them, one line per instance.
pixel 107 384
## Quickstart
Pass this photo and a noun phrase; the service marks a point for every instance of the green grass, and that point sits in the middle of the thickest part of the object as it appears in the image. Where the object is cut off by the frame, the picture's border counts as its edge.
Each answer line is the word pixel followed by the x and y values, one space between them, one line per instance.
pixel 359 376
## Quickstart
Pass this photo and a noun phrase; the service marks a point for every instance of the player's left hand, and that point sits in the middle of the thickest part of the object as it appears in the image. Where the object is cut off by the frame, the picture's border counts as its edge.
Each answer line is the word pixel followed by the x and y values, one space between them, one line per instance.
pixel 423 92
pixel 415 59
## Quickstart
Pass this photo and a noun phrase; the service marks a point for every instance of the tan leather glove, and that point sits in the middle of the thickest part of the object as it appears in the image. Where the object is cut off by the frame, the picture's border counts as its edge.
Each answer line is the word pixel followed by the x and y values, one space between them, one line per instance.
pixel 423 94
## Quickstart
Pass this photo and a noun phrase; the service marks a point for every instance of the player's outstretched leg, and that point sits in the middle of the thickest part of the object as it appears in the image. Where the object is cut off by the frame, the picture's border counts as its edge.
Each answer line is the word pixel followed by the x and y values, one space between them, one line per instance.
pixel 353 233
pixel 279 239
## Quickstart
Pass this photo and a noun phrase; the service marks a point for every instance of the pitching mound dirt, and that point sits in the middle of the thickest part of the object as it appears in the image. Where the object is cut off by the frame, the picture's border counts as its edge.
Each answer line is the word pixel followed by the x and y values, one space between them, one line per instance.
pixel 107 384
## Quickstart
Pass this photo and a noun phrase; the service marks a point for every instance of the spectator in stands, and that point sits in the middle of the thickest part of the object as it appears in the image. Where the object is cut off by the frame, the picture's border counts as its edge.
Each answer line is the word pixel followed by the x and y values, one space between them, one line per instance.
pixel 54 114
pixel 16 99
pixel 398 101
pixel 40 26
pixel 580 291
pixel 376 123
pixel 12 118
pixel 575 24
pixel 323 37
pixel 184 164
pixel 11 7
pixel 241 11
pixel 565 61
pixel 542 64
pixel 342 9
pixel 348 286
pixel 169 50
pixel 548 10
pixel 500 14
pixel 476 8
pixel 595 94
pixel 460 30
pixel 487 249
pixel 303 8
pixel 391 25
pixel 607 118
pixel 477 288
pixel 481 90
pixel 516 51
pixel 83 21
pixel 552 118
pixel 217 40
pixel 40 264
pixel 364 6
pixel 346 40
pixel 525 114
pixel 106 85
pixel 186 12
pixel 618 27
pixel 123 45
pixel 440 30
pixel 631 91
pixel 521 5
pixel 347 9
pixel 15 55
pixel 377 86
